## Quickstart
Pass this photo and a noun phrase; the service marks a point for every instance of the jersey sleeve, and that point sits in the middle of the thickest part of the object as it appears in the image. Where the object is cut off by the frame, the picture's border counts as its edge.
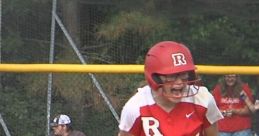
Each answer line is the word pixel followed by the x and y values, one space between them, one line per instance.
pixel 131 113
pixel 130 118
pixel 213 114
pixel 126 120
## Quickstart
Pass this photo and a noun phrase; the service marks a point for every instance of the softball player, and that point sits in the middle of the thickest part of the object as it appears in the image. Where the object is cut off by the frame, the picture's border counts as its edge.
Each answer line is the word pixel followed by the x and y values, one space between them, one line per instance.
pixel 171 104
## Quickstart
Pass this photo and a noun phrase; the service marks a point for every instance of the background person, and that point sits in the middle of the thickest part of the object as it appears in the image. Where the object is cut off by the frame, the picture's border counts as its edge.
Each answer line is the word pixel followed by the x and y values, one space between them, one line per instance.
pixel 254 108
pixel 256 114
pixel 237 116
pixel 170 105
pixel 62 126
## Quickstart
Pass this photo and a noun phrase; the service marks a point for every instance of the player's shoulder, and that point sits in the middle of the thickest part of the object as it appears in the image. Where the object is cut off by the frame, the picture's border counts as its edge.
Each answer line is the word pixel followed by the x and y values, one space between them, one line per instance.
pixel 203 89
pixel 203 97
pixel 204 92
pixel 143 93
pixel 142 97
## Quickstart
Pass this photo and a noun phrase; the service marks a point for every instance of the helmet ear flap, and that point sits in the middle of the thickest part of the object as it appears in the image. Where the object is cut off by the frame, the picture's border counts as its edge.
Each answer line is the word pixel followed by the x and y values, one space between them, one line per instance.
pixel 156 78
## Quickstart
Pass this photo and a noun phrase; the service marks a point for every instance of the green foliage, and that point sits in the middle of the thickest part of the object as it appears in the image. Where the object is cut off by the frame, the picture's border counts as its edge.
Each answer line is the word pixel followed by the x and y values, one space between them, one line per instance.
pixel 135 32
pixel 12 41
pixel 205 31
pixel 98 121
pixel 134 22
pixel 223 36
pixel 21 112
pixel 216 34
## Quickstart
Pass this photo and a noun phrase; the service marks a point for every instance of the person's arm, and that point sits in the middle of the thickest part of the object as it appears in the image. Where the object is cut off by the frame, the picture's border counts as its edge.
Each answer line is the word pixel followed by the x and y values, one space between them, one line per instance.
pixel 124 133
pixel 211 130
pixel 250 107
pixel 243 111
pixel 246 110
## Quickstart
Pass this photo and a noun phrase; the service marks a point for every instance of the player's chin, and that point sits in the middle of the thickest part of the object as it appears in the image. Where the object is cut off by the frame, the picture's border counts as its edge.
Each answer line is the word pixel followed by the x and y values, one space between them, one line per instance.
pixel 174 99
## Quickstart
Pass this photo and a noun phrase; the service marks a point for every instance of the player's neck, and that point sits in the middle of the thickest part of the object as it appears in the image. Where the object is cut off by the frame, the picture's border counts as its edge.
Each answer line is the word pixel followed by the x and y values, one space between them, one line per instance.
pixel 165 104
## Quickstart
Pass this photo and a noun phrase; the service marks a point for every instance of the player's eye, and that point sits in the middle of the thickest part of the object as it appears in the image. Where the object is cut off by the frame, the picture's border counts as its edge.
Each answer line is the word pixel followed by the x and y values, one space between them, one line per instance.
pixel 172 78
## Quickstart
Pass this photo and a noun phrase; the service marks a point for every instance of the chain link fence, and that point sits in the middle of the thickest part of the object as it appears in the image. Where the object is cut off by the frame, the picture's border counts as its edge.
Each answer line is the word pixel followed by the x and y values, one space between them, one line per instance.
pixel 50 31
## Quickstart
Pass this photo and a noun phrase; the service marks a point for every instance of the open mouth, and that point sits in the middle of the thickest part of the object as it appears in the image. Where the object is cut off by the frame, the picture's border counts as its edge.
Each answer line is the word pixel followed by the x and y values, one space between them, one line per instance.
pixel 176 92
pixel 173 93
pixel 180 93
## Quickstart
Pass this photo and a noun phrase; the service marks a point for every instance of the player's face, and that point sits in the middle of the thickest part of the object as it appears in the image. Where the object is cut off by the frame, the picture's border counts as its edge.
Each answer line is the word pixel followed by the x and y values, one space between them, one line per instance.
pixel 174 86
pixel 230 79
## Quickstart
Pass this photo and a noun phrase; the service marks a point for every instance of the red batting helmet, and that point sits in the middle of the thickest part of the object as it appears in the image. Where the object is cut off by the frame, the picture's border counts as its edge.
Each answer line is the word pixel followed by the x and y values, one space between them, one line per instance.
pixel 166 58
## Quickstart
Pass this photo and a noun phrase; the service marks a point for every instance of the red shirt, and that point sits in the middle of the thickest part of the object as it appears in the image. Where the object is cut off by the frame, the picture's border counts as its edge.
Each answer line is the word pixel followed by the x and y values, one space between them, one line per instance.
pixel 235 122
pixel 141 116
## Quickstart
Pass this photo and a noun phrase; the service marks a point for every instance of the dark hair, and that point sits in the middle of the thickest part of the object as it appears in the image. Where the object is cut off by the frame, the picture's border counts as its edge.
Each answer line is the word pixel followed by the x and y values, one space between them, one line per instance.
pixel 237 88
